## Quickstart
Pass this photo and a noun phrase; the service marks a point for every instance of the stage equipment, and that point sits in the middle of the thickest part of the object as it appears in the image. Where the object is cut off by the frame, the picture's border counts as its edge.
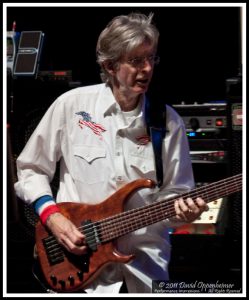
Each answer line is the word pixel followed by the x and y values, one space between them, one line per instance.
pixel 28 55
pixel 12 46
pixel 235 113
pixel 207 129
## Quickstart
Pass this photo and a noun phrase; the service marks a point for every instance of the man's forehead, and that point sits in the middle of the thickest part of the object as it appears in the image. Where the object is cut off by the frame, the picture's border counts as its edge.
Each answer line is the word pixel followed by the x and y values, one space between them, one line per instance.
pixel 141 50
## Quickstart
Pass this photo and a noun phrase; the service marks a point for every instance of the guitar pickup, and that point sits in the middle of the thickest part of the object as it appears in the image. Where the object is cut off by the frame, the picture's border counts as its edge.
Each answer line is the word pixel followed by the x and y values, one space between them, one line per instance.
pixel 91 233
pixel 53 250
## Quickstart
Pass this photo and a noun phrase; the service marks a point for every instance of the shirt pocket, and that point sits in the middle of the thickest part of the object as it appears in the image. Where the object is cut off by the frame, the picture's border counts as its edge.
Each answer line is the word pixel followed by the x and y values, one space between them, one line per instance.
pixel 142 162
pixel 89 163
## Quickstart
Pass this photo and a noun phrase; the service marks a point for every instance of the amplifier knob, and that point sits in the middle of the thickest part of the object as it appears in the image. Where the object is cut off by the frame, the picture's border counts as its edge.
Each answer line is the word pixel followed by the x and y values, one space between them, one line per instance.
pixel 194 123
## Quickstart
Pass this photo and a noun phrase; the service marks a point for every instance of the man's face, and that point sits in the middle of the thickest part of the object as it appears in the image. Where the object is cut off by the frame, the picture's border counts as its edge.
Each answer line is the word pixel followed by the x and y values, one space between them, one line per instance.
pixel 134 72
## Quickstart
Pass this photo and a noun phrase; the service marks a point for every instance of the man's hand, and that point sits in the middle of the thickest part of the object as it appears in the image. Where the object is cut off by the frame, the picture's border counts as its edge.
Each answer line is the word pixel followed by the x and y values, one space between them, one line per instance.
pixel 66 233
pixel 188 211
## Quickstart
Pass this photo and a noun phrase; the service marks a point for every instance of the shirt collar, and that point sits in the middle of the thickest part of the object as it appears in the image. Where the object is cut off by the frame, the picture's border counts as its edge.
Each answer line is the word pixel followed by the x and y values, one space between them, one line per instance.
pixel 109 103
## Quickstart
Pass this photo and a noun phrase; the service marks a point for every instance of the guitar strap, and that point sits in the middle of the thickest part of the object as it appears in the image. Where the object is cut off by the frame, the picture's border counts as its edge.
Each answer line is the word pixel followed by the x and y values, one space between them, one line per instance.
pixel 155 119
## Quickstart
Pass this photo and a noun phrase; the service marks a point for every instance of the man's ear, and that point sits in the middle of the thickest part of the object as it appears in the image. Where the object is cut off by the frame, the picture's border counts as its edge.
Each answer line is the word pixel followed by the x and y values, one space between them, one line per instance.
pixel 109 67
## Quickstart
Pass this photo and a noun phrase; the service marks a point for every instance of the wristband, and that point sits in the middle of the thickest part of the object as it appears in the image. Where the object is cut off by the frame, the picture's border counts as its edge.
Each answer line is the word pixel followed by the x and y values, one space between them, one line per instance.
pixel 44 207
pixel 47 212
pixel 43 202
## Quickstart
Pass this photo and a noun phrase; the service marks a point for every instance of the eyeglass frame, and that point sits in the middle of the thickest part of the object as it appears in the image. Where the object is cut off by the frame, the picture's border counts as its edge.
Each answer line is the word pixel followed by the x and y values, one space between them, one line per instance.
pixel 137 62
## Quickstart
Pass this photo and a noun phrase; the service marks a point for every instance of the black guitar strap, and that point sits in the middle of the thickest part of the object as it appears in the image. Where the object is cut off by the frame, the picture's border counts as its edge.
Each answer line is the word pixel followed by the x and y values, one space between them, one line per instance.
pixel 155 118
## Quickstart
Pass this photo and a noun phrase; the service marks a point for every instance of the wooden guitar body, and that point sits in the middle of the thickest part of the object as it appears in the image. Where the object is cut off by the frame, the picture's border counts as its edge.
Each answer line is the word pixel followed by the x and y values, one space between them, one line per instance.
pixel 76 272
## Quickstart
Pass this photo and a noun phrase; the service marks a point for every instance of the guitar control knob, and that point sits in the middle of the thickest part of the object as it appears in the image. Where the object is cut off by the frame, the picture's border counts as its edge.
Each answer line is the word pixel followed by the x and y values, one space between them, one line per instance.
pixel 62 283
pixel 85 266
pixel 71 280
pixel 53 279
pixel 80 275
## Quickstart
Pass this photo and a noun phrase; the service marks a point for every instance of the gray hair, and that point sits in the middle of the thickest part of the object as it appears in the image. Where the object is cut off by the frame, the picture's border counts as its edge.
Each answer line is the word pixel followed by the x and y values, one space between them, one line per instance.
pixel 122 35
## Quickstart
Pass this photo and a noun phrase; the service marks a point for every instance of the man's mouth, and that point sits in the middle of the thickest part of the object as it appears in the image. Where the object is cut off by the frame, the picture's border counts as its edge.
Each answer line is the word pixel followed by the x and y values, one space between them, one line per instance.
pixel 142 82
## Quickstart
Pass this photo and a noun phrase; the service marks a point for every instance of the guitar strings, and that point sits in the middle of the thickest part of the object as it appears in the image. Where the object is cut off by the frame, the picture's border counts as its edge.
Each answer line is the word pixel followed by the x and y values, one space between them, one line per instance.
pixel 109 222
pixel 107 225
pixel 150 213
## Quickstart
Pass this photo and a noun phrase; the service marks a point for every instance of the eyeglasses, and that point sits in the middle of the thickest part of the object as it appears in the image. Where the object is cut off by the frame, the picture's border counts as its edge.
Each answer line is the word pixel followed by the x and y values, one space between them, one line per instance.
pixel 138 62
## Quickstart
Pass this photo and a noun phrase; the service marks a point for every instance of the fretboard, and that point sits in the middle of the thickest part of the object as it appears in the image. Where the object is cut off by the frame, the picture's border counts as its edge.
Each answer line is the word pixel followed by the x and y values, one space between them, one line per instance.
pixel 131 220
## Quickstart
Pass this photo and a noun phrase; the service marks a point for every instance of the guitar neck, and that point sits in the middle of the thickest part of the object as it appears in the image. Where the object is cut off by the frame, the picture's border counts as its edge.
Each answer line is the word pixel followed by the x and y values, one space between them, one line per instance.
pixel 129 221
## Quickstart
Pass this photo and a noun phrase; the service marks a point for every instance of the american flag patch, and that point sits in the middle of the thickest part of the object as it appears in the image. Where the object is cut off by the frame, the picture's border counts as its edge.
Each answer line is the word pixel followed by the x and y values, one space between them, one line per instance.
pixel 143 139
pixel 87 121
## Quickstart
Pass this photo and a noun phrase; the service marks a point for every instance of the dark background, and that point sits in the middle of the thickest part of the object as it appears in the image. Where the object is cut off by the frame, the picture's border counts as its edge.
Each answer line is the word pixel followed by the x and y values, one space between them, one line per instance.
pixel 199 46
pixel 199 49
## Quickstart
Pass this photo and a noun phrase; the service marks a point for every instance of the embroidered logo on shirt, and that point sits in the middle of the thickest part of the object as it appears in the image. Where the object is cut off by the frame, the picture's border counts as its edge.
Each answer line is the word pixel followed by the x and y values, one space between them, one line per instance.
pixel 143 139
pixel 87 121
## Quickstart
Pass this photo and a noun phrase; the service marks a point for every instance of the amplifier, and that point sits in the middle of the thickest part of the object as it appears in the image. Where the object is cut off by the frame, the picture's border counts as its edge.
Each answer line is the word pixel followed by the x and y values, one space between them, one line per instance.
pixel 207 130
pixel 209 156
pixel 203 120
pixel 201 109
pixel 59 75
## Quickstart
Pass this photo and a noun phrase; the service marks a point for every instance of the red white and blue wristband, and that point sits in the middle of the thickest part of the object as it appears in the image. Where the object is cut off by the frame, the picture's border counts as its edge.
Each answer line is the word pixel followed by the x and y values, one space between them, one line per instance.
pixel 44 207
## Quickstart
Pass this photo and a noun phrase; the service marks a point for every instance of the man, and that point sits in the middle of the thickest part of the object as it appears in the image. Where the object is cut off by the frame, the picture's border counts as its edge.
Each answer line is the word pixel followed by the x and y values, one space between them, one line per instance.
pixel 98 133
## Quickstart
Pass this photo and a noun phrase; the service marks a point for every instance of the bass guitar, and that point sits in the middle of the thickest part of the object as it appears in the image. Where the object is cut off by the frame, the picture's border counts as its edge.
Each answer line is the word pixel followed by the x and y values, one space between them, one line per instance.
pixel 102 224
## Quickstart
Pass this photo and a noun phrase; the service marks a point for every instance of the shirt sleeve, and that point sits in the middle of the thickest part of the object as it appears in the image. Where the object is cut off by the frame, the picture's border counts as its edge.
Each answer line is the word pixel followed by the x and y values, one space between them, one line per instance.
pixel 36 164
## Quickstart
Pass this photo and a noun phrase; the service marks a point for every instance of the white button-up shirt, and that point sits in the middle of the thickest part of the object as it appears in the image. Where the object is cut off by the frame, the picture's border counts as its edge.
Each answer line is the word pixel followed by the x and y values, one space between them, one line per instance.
pixel 99 148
